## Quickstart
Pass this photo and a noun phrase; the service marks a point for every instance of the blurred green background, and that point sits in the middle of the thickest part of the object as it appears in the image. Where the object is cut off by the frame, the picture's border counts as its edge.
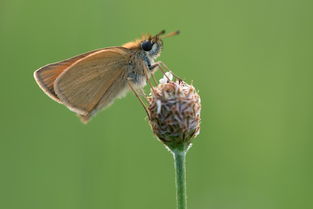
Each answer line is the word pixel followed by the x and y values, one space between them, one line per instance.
pixel 252 62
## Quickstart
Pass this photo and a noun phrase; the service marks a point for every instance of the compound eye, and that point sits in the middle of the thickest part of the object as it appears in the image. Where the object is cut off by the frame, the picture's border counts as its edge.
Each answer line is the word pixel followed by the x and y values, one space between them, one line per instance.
pixel 147 45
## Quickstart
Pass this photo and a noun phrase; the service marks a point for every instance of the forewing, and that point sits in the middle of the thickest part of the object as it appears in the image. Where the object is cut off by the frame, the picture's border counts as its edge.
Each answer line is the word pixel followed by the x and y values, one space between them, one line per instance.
pixel 84 85
pixel 46 75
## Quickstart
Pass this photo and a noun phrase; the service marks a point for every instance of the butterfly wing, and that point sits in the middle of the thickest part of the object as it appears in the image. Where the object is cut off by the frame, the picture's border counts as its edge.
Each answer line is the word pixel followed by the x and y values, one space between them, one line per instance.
pixel 46 75
pixel 93 82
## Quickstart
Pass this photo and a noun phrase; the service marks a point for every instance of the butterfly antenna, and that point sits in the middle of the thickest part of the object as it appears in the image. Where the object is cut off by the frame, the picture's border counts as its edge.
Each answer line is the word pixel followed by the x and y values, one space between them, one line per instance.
pixel 170 34
pixel 160 33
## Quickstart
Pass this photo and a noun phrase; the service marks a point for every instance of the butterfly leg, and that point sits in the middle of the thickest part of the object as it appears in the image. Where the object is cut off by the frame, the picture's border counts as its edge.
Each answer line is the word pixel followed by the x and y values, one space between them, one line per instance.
pixel 145 71
pixel 163 67
pixel 154 67
pixel 138 97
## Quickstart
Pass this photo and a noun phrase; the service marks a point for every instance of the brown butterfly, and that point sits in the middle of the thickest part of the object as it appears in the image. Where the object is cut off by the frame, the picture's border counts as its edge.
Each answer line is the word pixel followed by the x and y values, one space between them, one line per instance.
pixel 89 82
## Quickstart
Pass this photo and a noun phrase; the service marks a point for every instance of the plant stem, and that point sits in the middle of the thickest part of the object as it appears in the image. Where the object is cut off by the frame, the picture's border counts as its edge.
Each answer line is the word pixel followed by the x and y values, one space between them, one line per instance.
pixel 180 168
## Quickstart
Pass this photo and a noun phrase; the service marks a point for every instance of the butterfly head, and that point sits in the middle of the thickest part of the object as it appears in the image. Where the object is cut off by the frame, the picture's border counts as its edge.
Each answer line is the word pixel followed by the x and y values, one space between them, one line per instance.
pixel 150 45
pixel 153 45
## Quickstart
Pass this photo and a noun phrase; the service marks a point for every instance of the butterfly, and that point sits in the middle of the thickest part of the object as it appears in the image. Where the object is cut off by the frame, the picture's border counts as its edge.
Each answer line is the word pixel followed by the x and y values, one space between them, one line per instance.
pixel 91 81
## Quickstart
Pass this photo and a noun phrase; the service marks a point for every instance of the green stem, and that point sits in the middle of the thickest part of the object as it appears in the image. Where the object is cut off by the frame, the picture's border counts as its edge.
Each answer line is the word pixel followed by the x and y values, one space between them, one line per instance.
pixel 180 168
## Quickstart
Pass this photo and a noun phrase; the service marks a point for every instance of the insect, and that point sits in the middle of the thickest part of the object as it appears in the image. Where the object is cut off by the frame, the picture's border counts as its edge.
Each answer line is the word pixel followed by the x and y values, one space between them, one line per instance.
pixel 91 81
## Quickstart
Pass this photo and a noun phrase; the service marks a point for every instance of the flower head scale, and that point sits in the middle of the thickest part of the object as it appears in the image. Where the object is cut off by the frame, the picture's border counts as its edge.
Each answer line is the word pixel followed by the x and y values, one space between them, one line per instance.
pixel 174 110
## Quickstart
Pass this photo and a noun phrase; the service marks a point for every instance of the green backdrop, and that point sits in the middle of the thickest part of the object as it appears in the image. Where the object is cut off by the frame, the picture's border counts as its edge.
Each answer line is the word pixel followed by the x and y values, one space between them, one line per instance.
pixel 251 61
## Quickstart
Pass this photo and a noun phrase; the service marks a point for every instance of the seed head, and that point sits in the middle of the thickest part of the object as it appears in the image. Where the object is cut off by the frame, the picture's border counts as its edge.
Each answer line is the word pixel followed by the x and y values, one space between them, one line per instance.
pixel 174 112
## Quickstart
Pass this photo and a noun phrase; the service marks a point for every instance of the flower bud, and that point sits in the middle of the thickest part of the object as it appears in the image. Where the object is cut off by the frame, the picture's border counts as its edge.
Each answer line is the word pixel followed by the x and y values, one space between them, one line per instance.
pixel 174 112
